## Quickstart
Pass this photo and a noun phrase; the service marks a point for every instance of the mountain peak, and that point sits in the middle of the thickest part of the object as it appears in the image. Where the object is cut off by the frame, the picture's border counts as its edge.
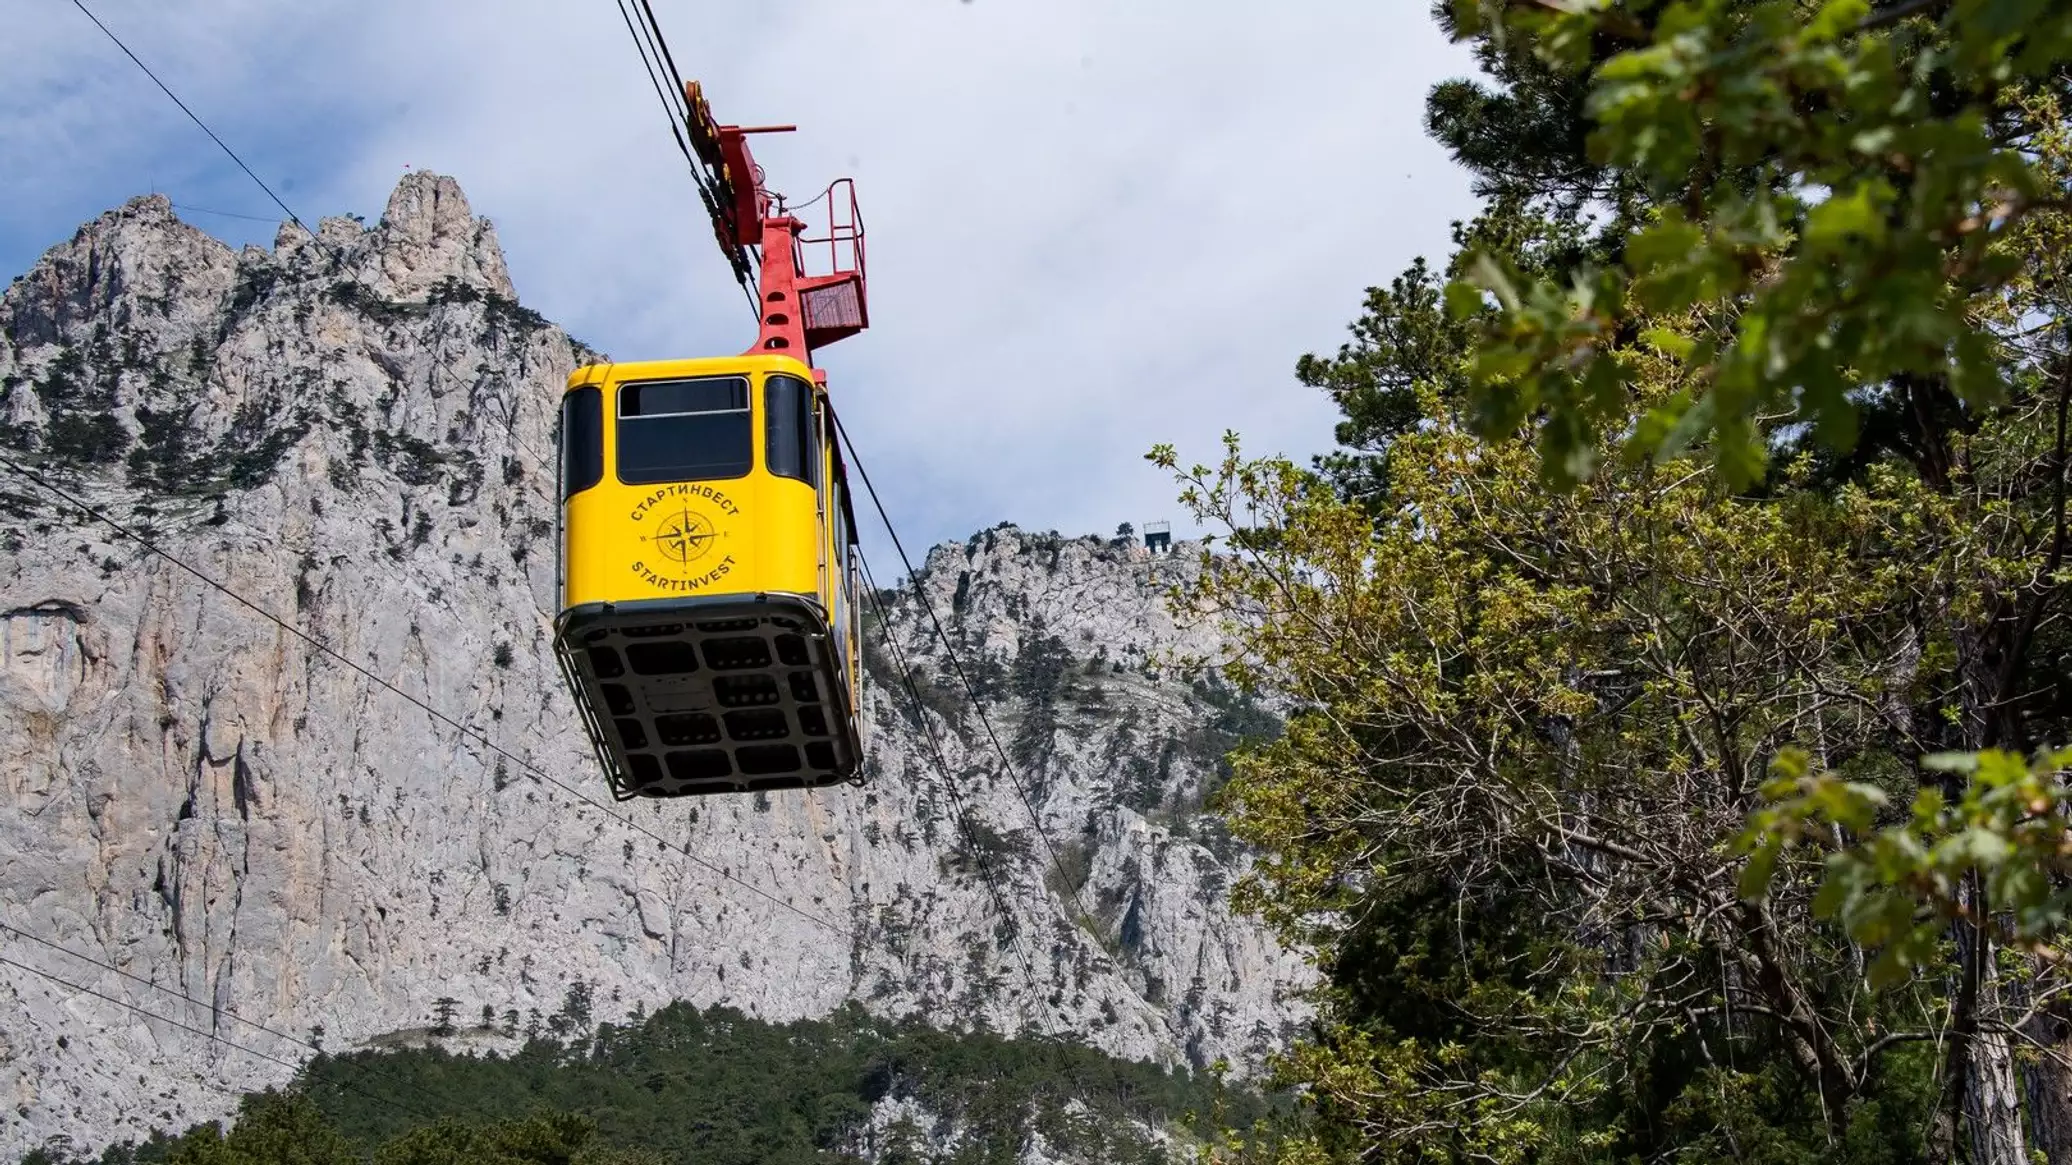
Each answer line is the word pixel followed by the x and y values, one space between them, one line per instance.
pixel 429 234
pixel 146 208
pixel 134 253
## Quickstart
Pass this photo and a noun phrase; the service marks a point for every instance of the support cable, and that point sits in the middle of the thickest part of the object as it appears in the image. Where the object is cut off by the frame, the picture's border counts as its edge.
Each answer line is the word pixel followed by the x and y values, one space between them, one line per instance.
pixel 970 689
pixel 110 967
pixel 964 821
pixel 661 44
pixel 949 780
pixel 708 190
pixel 452 1105
pixel 205 1033
pixel 532 770
pixel 422 704
pixel 224 213
pixel 214 1037
pixel 655 57
pixel 192 116
pixel 672 108
pixel 337 256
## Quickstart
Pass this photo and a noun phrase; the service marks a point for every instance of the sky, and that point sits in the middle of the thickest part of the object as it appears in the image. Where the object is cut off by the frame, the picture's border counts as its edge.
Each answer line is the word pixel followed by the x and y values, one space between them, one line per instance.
pixel 1092 225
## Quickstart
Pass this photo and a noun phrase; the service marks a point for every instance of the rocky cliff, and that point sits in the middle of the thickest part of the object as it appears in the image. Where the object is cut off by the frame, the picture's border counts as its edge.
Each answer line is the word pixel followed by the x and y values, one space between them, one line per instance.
pixel 354 433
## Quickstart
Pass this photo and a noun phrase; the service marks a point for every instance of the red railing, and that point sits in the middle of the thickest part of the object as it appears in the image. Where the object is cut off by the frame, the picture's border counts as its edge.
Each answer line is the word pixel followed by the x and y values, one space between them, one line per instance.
pixel 844 237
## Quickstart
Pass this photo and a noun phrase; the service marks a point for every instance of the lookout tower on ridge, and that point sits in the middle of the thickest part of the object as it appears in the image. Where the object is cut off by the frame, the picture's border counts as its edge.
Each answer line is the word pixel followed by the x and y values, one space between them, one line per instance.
pixel 1158 537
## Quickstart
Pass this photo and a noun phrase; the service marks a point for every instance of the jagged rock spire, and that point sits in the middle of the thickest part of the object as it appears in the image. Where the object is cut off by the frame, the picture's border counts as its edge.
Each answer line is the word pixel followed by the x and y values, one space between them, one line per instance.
pixel 429 234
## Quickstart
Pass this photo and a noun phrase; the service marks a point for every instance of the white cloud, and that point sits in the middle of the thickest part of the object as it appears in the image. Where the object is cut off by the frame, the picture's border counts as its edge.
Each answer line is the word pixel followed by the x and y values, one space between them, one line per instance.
pixel 1092 225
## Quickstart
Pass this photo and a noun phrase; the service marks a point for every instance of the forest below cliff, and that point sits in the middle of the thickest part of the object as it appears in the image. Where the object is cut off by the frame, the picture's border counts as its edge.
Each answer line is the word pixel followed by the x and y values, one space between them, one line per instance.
pixel 713 1086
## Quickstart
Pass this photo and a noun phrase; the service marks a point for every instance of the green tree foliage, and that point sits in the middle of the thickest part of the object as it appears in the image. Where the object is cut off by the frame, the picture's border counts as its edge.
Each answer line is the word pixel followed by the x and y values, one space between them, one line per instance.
pixel 555 1139
pixel 272 1128
pixel 1537 723
pixel 1679 631
pixel 713 1087
pixel 2010 830
pixel 1812 205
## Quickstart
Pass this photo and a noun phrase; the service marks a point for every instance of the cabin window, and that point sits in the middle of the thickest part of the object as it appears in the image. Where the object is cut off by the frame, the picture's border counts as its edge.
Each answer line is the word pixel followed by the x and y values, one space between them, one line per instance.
pixel 695 429
pixel 582 440
pixel 790 440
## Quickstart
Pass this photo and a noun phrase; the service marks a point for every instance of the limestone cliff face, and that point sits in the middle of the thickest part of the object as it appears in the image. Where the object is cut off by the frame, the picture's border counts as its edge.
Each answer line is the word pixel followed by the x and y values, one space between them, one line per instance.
pixel 354 432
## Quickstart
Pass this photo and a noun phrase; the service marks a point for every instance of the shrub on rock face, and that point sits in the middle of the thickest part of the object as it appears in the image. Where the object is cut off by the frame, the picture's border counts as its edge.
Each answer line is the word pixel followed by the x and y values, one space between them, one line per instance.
pixel 86 438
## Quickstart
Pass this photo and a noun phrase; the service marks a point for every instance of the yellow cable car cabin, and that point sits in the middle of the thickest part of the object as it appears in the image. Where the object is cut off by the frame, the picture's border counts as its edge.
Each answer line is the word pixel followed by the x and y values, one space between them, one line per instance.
pixel 707 625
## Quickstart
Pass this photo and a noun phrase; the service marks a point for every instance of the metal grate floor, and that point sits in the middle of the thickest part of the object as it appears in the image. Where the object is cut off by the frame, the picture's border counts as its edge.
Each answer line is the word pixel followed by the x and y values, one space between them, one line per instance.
pixel 709 698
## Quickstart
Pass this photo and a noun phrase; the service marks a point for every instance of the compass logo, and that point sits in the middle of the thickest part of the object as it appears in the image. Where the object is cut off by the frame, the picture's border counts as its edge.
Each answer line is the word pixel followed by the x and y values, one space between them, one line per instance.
pixel 683 537
pixel 683 552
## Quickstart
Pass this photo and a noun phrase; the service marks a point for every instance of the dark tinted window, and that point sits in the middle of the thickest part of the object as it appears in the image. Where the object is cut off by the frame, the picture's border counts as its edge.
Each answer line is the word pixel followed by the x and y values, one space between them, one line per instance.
pixel 582 440
pixel 790 439
pixel 709 394
pixel 684 430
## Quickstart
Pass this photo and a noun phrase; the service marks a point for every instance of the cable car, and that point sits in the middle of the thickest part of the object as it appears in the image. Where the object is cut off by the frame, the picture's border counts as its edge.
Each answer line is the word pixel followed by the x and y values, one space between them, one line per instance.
pixel 708 623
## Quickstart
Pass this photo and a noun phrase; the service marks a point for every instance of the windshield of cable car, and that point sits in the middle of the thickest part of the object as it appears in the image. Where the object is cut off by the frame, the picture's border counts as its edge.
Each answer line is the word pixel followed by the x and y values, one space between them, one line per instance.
pixel 694 429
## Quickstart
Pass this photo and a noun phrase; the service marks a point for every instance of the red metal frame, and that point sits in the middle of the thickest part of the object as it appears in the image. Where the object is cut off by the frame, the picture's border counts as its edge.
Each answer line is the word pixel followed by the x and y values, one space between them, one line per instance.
pixel 800 311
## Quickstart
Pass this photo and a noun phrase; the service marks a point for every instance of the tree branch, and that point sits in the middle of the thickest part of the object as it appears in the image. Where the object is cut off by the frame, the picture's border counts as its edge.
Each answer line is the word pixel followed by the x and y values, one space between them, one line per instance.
pixel 1898 12
pixel 2025 632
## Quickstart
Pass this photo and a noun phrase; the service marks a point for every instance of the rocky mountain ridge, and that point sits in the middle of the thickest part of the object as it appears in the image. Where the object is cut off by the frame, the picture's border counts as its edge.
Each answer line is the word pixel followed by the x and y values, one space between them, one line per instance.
pixel 353 431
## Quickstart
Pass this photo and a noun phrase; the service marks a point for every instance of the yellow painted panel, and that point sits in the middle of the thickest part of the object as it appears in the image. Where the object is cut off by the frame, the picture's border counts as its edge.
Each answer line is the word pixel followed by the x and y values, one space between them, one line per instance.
pixel 746 535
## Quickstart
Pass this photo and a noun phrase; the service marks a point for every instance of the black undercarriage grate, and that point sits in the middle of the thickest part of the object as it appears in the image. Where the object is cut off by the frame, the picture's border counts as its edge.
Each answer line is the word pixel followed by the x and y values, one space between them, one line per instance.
pixel 723 704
